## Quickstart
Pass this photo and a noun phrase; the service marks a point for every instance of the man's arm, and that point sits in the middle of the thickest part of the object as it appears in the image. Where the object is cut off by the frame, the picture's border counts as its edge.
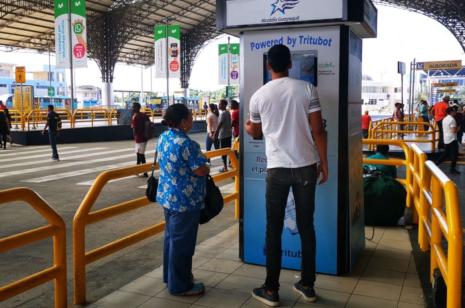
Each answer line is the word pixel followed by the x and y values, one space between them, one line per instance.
pixel 220 123
pixel 254 129
pixel 319 135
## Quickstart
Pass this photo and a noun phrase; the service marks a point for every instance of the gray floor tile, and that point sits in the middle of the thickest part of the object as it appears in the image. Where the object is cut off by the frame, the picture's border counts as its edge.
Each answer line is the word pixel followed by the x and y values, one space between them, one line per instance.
pixel 253 303
pixel 335 283
pixel 183 299
pixel 156 302
pixel 412 281
pixel 378 290
pixel 221 266
pixel 223 298
pixel 358 301
pixel 389 277
pixel 208 278
pixel 389 252
pixel 240 283
pixel 408 305
pixel 388 264
pixel 412 296
pixel 326 298
pixel 249 270
pixel 145 285
pixel 122 299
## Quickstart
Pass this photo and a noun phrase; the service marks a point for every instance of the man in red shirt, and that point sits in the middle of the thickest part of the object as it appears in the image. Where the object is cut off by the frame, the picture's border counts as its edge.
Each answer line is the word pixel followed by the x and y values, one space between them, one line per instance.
pixel 366 120
pixel 235 118
pixel 439 113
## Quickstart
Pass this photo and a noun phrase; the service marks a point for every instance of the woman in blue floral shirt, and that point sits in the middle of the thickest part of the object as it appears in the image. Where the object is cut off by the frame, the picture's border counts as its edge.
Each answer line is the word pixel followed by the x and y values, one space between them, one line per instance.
pixel 181 191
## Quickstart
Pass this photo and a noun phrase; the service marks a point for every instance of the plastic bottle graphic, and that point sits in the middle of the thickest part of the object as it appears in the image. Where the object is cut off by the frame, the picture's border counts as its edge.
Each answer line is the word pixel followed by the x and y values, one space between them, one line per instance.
pixel 290 222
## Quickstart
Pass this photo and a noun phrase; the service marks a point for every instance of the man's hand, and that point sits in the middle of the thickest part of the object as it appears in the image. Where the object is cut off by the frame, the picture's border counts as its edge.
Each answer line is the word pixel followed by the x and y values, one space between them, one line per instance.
pixel 323 170
pixel 253 129
pixel 43 132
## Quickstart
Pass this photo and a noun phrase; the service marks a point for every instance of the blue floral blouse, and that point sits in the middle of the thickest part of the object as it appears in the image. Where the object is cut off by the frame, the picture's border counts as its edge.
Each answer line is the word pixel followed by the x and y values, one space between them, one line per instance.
pixel 179 189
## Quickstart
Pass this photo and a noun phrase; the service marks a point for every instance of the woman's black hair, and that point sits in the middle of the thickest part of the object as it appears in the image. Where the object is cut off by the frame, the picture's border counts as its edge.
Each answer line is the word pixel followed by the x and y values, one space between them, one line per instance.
pixel 174 115
pixel 214 109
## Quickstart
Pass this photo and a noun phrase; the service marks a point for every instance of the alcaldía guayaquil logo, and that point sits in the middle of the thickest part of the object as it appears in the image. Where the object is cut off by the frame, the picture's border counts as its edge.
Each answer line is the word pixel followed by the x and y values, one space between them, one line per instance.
pixel 283 5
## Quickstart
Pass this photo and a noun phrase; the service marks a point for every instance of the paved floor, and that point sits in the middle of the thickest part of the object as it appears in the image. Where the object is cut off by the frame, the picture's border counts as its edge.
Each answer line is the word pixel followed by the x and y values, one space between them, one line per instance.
pixel 385 276
pixel 63 184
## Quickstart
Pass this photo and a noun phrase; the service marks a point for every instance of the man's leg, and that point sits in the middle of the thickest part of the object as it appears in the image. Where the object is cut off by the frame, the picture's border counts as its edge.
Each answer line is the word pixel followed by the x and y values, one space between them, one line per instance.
pixel 208 143
pixel 277 191
pixel 53 144
pixel 441 136
pixel 303 188
pixel 453 151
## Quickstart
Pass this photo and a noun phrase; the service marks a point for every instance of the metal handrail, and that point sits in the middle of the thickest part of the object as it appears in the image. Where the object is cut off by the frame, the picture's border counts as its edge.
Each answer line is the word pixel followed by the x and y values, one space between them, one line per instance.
pixel 55 229
pixel 84 217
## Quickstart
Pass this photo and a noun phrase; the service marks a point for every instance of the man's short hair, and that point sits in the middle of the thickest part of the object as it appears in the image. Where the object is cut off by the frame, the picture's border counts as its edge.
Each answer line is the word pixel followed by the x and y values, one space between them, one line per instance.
pixel 450 110
pixel 279 58
pixel 51 107
pixel 446 98
pixel 382 148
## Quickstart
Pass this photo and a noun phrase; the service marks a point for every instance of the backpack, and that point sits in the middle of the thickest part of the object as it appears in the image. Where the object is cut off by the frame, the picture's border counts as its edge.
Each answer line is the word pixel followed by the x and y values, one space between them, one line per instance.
pixel 149 130
pixel 58 120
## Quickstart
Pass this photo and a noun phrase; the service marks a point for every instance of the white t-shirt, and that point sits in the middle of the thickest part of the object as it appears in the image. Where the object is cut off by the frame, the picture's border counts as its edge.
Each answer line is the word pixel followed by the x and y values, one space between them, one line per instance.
pixel 448 123
pixel 282 107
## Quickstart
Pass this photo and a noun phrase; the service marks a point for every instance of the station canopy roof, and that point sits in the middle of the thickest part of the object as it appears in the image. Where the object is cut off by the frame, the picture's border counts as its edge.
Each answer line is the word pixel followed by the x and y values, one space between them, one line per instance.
pixel 30 24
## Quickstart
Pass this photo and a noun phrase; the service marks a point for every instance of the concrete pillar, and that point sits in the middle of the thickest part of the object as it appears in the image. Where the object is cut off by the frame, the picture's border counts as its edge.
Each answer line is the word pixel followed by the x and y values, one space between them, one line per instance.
pixel 107 94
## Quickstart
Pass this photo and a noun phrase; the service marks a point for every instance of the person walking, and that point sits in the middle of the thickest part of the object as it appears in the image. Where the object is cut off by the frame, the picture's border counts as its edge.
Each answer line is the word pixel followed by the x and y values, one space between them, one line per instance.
pixel 4 129
pixel 423 113
pixel 287 112
pixel 449 125
pixel 224 131
pixel 212 126
pixel 181 193
pixel 138 123
pixel 439 113
pixel 53 124
pixel 398 116
pixel 366 120
pixel 235 118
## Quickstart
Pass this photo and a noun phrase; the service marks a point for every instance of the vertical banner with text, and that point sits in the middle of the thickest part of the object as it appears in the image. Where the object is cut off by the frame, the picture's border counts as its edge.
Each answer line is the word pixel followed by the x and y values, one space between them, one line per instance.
pixel 78 33
pixel 173 32
pixel 234 64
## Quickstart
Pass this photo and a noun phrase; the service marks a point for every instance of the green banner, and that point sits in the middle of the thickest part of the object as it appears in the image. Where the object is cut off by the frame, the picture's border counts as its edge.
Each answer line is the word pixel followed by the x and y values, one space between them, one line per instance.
pixel 61 7
pixel 78 7
pixel 174 31
pixel 234 49
pixel 222 49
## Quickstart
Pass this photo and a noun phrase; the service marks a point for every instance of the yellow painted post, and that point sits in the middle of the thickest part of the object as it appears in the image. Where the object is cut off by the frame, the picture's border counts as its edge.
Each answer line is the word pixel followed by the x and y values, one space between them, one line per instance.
pixel 59 255
pixel 436 235
pixel 425 178
pixel 455 240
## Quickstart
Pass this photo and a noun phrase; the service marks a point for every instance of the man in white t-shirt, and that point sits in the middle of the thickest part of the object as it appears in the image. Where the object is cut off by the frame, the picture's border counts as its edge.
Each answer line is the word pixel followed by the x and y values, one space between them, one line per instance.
pixel 287 113
pixel 449 127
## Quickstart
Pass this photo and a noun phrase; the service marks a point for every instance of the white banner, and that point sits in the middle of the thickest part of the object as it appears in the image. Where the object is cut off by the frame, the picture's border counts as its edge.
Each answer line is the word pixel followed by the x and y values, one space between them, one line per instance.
pixel 256 12
pixel 62 41
pixel 234 65
pixel 174 51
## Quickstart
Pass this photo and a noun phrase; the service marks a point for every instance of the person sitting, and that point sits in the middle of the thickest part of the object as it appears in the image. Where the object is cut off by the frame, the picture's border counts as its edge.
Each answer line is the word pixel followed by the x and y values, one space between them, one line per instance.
pixel 382 152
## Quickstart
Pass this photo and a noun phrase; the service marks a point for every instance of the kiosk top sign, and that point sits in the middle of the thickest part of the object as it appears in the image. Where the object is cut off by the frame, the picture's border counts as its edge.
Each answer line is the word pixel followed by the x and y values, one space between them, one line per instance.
pixel 256 12
pixel 234 16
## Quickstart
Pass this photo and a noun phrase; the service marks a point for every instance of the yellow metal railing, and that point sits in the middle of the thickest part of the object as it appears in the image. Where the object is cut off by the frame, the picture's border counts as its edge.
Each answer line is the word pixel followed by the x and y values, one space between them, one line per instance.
pixel 91 115
pixel 441 221
pixel 389 129
pixel 84 217
pixel 435 199
pixel 39 117
pixel 55 229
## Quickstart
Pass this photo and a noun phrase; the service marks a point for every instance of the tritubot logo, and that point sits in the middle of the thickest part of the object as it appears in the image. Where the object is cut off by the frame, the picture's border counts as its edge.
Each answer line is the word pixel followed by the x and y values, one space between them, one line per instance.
pixel 283 5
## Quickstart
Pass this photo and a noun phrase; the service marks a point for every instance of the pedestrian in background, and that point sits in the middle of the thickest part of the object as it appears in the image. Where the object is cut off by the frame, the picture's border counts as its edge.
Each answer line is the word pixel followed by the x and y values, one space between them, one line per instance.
pixel 366 120
pixel 4 129
pixel 423 113
pixel 439 113
pixel 235 118
pixel 224 131
pixel 458 117
pixel 450 140
pixel 53 124
pixel 181 193
pixel 138 124
pixel 212 126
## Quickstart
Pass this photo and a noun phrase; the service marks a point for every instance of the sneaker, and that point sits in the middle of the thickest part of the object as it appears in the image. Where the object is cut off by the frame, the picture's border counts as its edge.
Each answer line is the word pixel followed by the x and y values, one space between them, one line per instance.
pixel 197 289
pixel 263 296
pixel 308 293
pixel 55 158
pixel 223 170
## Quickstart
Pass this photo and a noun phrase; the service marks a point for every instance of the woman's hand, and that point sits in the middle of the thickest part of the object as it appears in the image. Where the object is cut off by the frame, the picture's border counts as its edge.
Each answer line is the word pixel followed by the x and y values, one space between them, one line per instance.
pixel 202 171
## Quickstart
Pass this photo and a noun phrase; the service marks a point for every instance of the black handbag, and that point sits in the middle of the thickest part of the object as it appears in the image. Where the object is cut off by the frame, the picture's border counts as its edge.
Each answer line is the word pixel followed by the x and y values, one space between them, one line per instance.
pixel 213 202
pixel 152 184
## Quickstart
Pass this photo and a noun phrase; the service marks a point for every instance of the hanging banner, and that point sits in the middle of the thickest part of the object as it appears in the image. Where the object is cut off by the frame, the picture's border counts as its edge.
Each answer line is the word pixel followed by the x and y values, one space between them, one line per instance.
pixel 173 32
pixel 78 33
pixel 233 69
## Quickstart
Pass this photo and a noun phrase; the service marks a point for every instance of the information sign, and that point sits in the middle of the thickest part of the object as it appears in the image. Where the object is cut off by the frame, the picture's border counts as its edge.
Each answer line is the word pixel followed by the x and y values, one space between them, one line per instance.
pixel 20 74
pixel 439 65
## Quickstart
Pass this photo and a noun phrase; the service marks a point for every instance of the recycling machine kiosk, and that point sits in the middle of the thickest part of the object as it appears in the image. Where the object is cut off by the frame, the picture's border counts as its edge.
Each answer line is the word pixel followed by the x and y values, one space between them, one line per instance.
pixel 325 39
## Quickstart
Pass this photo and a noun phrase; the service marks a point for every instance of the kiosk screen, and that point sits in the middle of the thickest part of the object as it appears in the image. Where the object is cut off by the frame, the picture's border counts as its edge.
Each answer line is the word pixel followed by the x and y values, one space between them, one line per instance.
pixel 304 67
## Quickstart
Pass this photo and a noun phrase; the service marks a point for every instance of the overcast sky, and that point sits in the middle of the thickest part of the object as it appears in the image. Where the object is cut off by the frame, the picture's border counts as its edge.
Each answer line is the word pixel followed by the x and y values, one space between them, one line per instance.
pixel 402 36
